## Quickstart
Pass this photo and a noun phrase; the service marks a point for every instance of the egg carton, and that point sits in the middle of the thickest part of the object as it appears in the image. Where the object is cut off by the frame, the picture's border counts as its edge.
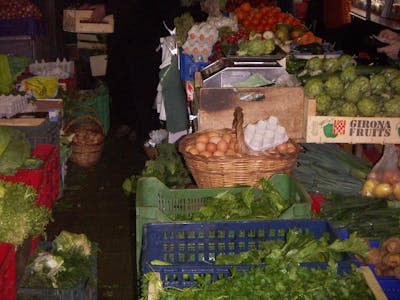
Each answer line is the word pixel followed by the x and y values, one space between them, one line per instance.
pixel 11 105
pixel 60 69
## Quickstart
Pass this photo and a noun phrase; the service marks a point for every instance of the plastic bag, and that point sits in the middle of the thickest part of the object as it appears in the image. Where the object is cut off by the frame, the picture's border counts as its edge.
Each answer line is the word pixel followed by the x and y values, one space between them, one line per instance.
pixel 42 87
pixel 384 179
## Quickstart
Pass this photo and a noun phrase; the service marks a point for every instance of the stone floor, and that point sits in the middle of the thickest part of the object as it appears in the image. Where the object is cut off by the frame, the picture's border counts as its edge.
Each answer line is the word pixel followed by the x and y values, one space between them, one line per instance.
pixel 93 203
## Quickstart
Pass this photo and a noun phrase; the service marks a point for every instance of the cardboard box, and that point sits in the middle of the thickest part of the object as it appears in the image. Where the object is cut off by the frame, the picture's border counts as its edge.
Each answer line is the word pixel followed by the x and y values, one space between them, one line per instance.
pixel 75 20
pixel 351 130
pixel 98 65
pixel 216 107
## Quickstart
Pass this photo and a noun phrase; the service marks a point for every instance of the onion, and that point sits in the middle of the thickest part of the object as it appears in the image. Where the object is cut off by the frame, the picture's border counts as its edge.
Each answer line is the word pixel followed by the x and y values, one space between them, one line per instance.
pixel 202 138
pixel 396 191
pixel 383 190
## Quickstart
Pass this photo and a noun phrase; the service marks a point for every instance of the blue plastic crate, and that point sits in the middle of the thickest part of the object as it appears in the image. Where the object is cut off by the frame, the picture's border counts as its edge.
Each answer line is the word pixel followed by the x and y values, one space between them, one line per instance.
pixel 24 26
pixel 192 247
pixel 188 67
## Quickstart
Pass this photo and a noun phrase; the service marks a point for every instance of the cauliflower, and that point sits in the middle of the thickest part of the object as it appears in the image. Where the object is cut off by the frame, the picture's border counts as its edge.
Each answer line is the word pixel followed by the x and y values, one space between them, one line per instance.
pixel 367 107
pixel 313 87
pixel 331 65
pixel 346 60
pixel 348 74
pixel 334 87
pixel 348 110
pixel 377 83
pixel 395 84
pixel 391 108
pixel 323 103
pixel 352 93
pixel 256 47
pixel 314 65
pixel 362 83
pixel 68 242
pixel 390 73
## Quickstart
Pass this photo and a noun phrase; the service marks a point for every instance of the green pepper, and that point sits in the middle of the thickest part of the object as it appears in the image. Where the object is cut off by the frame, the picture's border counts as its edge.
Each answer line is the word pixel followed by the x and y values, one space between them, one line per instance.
pixel 295 65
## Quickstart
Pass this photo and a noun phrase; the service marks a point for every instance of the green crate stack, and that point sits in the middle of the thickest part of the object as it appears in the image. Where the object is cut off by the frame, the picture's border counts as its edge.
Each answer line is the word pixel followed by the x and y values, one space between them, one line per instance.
pixel 156 203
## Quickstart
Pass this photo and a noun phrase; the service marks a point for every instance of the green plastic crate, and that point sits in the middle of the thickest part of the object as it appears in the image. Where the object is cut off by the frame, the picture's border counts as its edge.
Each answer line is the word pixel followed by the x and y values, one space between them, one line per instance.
pixel 155 202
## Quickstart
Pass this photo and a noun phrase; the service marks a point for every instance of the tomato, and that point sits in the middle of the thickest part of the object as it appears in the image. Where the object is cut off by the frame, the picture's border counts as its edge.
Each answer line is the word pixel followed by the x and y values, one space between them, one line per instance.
pixel 246 6
pixel 240 15
pixel 246 23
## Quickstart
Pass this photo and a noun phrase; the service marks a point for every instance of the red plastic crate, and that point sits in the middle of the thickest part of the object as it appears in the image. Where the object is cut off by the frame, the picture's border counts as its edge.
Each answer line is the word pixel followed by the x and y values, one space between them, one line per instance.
pixel 46 179
pixel 8 286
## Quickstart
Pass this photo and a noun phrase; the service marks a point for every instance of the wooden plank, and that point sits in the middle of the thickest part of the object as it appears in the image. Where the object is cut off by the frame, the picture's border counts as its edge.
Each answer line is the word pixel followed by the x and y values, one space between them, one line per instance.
pixel 373 283
pixel 21 122
pixel 217 105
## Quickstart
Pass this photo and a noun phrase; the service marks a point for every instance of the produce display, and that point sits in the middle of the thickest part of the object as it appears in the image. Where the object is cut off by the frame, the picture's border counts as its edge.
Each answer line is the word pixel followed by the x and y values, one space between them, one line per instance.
pixel 342 89
pixel 262 202
pixel 370 217
pixel 384 179
pixel 386 257
pixel 271 282
pixel 299 247
pixel 64 263
pixel 168 167
pixel 18 9
pixel 328 168
pixel 20 217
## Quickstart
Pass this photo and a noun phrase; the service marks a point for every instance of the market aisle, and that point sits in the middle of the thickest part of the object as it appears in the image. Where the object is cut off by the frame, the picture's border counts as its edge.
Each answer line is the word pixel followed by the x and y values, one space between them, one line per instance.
pixel 94 203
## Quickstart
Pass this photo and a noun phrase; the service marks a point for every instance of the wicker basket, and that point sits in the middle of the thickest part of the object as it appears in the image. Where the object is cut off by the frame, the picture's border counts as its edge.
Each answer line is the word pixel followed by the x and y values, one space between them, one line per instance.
pixel 85 155
pixel 244 168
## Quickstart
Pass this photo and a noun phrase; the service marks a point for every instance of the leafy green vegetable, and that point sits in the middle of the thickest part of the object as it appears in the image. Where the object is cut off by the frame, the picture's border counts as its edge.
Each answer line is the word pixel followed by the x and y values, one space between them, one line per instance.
pixel 369 217
pixel 66 263
pixel 17 150
pixel 250 203
pixel 298 247
pixel 20 217
pixel 168 167
pixel 280 280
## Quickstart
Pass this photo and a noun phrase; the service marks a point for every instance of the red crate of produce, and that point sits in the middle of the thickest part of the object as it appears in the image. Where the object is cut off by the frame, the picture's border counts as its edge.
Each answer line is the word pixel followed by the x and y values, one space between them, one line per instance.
pixel 8 285
pixel 46 179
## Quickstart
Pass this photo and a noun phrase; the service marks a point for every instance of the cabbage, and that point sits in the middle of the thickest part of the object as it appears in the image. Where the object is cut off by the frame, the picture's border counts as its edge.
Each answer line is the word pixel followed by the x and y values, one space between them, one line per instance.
pixel 334 87
pixel 377 83
pixel 313 87
pixel 348 74
pixel 331 65
pixel 323 103
pixel 256 47
pixel 367 107
pixel 70 242
pixel 392 107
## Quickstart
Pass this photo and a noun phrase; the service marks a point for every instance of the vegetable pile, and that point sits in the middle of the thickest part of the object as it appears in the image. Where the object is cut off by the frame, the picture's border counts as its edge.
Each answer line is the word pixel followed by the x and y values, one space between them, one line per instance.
pixel 328 168
pixel 369 217
pixel 67 262
pixel 280 280
pixel 168 167
pixel 343 89
pixel 20 217
pixel 250 203
pixel 299 247
pixel 386 258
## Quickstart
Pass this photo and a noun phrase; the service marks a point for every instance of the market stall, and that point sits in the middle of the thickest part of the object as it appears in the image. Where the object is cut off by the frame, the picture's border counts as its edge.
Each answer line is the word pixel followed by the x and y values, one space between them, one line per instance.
pixel 260 179
pixel 268 97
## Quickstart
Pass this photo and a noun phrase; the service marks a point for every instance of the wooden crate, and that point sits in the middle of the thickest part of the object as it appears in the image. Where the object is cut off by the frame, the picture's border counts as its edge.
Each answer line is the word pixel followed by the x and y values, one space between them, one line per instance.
pixel 351 130
pixel 76 20
pixel 216 107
